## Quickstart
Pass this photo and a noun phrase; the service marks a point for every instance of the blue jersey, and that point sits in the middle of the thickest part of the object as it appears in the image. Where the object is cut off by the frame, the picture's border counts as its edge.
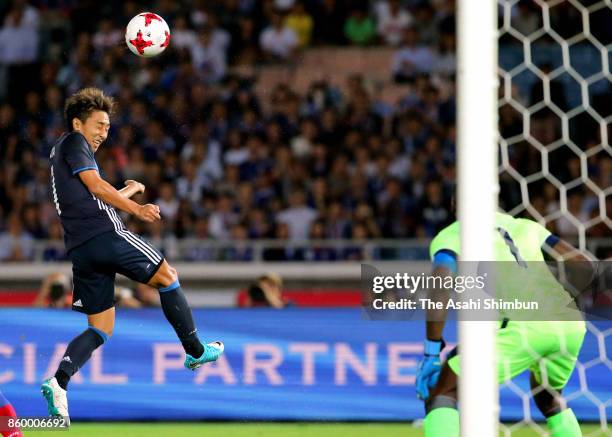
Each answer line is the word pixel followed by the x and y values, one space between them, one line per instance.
pixel 83 216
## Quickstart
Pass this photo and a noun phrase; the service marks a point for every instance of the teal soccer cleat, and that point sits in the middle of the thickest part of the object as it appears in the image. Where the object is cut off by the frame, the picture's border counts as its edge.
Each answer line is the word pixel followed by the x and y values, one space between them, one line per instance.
pixel 212 351
pixel 57 402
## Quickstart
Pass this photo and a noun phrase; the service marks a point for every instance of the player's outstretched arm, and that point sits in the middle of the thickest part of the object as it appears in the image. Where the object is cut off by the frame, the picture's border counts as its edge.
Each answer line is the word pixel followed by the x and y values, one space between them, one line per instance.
pixel 107 193
pixel 581 276
pixel 436 318
pixel 430 366
pixel 131 188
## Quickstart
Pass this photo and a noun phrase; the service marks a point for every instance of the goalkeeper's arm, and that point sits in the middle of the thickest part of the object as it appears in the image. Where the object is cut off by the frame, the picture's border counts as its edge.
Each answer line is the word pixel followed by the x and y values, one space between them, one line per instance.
pixel 445 265
pixel 572 268
pixel 436 318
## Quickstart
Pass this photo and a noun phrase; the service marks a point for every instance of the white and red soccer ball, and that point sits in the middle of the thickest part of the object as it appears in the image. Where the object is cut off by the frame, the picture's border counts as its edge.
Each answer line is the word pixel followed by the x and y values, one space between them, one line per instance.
pixel 147 35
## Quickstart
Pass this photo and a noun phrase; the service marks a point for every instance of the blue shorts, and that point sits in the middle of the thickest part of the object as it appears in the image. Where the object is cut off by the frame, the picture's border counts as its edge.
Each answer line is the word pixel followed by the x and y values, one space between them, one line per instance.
pixel 96 262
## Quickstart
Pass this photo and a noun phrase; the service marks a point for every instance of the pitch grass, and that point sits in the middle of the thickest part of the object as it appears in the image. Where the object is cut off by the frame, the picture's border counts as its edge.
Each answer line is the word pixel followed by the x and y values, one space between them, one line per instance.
pixel 259 430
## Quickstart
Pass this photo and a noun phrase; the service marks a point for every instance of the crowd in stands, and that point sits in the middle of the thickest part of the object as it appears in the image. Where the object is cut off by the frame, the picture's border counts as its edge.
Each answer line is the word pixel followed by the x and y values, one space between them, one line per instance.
pixel 223 164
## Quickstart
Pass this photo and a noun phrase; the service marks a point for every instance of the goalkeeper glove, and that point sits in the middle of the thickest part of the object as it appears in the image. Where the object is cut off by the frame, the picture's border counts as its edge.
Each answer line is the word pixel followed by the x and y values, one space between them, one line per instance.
pixel 429 368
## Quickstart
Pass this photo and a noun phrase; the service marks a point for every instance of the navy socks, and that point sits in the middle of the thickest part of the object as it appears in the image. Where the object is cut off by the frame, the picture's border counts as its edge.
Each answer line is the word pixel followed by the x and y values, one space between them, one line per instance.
pixel 177 312
pixel 78 352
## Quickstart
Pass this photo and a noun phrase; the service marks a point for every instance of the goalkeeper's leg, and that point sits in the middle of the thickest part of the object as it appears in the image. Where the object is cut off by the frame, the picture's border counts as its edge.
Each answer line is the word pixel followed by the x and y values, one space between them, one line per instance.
pixel 560 420
pixel 442 416
pixel 442 419
pixel 550 374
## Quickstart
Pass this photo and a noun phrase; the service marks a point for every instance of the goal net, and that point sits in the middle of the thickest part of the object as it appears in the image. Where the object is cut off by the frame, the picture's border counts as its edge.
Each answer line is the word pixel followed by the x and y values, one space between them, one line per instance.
pixel 555 159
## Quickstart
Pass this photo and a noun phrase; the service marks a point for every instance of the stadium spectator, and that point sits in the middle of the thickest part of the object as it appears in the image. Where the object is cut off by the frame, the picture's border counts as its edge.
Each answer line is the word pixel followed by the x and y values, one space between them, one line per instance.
pixel 164 240
pixel 426 24
pixel 244 48
pixel 329 16
pixel 278 42
pixel 364 215
pixel 298 216
pixel 168 203
pixel 357 251
pixel 19 39
pixel 411 59
pixel 240 250
pixel 220 37
pixel 359 29
pixel 189 187
pixel 434 210
pixel 198 251
pixel 55 291
pixel 31 222
pixel 223 218
pixel 267 291
pixel 107 37
pixel 16 244
pixel 392 205
pixel 183 38
pixel 445 59
pixel 318 252
pixel 525 20
pixel 286 251
pixel 336 222
pixel 156 143
pixel 209 56
pixel 55 249
pixel 124 297
pixel 300 21
pixel 302 144
pixel 392 20
pixel 567 227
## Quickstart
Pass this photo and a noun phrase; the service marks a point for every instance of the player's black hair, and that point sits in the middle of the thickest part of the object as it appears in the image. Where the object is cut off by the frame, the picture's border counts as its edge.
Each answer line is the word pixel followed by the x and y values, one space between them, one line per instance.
pixel 82 103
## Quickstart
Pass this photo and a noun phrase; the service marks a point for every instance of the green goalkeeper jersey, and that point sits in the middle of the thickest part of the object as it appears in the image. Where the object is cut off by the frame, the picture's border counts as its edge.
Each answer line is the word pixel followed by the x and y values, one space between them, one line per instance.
pixel 528 237
pixel 519 269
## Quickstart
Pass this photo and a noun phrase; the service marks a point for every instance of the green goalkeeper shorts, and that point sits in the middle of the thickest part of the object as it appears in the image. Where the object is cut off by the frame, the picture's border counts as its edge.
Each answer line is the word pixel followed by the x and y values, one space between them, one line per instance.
pixel 548 349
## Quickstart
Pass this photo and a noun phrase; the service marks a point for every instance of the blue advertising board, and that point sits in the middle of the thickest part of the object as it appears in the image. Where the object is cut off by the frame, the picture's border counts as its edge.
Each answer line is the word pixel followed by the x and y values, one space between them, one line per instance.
pixel 295 364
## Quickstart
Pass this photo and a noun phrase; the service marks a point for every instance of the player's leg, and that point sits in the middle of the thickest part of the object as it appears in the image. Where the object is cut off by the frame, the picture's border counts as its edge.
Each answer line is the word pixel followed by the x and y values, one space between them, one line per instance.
pixel 93 295
pixel 176 309
pixel 79 350
pixel 178 313
pixel 550 375
pixel 135 258
pixel 560 420
pixel 7 410
pixel 442 416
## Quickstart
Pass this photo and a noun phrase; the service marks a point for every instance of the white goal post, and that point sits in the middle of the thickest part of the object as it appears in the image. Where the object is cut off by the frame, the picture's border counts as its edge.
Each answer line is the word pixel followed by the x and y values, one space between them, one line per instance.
pixel 477 202
pixel 555 70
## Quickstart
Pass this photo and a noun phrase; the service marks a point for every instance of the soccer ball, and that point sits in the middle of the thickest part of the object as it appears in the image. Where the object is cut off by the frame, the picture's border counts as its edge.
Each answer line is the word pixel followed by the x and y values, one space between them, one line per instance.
pixel 147 35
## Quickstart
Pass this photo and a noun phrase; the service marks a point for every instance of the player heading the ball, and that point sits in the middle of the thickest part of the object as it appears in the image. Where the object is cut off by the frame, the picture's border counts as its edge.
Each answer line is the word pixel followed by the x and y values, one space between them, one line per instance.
pixel 100 246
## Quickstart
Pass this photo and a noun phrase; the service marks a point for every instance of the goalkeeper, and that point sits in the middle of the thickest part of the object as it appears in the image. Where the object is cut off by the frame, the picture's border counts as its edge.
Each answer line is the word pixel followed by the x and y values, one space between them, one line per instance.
pixel 549 349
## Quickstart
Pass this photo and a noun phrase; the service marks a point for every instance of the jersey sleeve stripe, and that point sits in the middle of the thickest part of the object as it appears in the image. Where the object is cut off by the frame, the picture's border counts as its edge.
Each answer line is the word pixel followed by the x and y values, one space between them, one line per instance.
pixel 551 240
pixel 55 198
pixel 83 169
